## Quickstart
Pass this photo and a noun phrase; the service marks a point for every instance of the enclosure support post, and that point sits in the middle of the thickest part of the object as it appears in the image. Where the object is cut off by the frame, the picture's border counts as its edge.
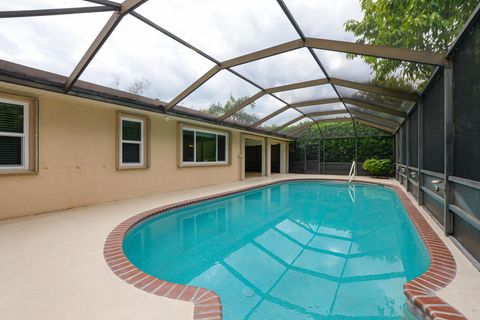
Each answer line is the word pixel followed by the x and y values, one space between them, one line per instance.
pixel 407 150
pixel 394 152
pixel 449 145
pixel 356 145
pixel 319 156
pixel 420 152
pixel 324 157
pixel 287 156
pixel 304 158
pixel 356 154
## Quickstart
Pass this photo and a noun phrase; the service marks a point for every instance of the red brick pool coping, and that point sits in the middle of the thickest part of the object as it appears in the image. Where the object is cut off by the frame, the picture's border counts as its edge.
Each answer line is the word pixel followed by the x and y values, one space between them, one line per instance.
pixel 420 292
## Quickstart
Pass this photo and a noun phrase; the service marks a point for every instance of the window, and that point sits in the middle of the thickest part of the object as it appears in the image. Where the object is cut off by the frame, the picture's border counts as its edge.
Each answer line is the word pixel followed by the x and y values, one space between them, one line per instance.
pixel 133 151
pixel 17 134
pixel 203 147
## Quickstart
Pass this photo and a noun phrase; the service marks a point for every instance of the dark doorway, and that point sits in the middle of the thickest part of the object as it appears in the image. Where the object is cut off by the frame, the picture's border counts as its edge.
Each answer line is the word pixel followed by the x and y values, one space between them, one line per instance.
pixel 275 158
pixel 253 159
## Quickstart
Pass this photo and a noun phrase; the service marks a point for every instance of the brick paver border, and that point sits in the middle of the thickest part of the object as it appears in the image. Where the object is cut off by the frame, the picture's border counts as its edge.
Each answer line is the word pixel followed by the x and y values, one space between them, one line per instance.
pixel 420 292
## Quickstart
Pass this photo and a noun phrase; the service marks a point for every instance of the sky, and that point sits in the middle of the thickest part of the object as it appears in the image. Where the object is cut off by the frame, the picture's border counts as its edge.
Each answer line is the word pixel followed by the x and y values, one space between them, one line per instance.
pixel 223 29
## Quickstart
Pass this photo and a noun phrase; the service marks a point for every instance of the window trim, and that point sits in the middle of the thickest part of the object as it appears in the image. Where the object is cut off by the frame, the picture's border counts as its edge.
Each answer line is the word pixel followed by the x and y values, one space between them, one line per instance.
pixel 29 136
pixel 194 163
pixel 144 141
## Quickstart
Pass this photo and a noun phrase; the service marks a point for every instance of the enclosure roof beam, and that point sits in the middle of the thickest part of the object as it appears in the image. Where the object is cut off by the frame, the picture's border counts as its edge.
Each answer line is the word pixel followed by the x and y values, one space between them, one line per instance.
pixel 358 103
pixel 53 12
pixel 301 129
pixel 381 123
pixel 375 107
pixel 300 32
pixel 287 87
pixel 392 53
pixel 374 89
pixel 349 119
pixel 288 123
pixel 326 113
pixel 257 55
pixel 298 85
pixel 173 36
pixel 295 105
pixel 402 54
pixel 241 105
pixel 374 125
pixel 323 81
pixel 125 7
pixel 264 53
pixel 106 3
pixel 315 102
pixel 293 86
pixel 270 116
pixel 375 118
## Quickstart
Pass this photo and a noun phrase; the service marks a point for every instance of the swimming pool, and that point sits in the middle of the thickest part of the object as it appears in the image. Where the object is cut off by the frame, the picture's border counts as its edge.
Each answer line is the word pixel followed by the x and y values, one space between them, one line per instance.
pixel 294 250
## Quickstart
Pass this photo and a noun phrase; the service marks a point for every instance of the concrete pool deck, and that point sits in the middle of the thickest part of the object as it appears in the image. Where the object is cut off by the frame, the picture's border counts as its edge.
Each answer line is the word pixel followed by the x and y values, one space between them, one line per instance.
pixel 52 265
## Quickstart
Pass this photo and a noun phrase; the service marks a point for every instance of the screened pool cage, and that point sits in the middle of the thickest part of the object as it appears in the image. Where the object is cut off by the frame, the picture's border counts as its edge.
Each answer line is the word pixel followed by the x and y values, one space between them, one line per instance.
pixel 273 68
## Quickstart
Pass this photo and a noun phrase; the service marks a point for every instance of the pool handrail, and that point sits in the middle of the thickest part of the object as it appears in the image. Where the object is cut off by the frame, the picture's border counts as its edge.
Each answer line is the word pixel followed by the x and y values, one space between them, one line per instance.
pixel 353 172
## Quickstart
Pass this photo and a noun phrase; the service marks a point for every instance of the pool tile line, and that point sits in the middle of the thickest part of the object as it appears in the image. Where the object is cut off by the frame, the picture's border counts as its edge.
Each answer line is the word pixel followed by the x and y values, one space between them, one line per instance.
pixel 420 292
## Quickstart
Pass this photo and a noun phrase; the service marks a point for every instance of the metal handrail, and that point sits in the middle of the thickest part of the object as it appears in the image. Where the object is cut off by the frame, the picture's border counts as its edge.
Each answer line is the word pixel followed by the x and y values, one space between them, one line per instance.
pixel 353 172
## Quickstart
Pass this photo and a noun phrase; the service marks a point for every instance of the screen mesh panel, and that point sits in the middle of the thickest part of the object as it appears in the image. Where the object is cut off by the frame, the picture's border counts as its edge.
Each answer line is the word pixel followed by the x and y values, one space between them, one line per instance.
pixel 434 206
pixel 413 138
pixel 337 129
pixel 433 122
pixel 296 157
pixel 468 236
pixel 375 147
pixel 466 119
pixel 466 107
pixel 313 154
pixel 403 144
pixel 340 150
pixel 367 131
pixel 397 147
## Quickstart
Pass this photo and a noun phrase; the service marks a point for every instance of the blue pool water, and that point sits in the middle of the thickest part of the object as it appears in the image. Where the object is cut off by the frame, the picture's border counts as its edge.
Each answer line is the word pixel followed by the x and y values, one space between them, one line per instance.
pixel 292 251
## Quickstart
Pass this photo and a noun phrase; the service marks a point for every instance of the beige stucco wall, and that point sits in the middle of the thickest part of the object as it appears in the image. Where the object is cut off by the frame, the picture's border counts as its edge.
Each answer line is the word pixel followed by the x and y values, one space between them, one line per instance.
pixel 77 159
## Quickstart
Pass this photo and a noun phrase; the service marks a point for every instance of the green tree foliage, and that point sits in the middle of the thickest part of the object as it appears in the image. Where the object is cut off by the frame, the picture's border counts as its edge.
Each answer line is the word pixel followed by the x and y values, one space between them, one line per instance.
pixel 329 129
pixel 339 150
pixel 339 143
pixel 378 167
pixel 367 131
pixel 240 116
pixel 429 25
pixel 378 147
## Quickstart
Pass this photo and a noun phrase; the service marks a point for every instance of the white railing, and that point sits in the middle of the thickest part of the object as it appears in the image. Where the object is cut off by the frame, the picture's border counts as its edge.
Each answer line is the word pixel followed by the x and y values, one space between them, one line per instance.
pixel 353 172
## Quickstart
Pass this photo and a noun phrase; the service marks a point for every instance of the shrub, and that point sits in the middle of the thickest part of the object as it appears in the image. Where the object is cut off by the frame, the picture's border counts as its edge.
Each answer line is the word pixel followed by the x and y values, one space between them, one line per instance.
pixel 378 167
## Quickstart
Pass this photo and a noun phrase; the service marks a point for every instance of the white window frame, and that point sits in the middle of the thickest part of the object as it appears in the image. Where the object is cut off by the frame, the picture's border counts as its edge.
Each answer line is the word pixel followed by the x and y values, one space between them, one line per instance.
pixel 141 143
pixel 205 163
pixel 25 136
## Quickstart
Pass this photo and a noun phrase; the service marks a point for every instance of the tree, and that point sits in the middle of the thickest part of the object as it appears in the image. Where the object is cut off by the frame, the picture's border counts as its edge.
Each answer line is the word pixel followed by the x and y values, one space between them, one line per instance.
pixel 136 87
pixel 240 116
pixel 116 81
pixel 429 25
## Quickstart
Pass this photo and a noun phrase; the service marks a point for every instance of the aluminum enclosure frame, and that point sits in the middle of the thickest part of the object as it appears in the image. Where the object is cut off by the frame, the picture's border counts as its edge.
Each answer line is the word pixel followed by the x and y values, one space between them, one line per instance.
pixel 129 6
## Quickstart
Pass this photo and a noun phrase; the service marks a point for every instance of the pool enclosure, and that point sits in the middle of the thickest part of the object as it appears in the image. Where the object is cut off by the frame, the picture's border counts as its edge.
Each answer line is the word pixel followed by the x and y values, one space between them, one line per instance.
pixel 291 82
